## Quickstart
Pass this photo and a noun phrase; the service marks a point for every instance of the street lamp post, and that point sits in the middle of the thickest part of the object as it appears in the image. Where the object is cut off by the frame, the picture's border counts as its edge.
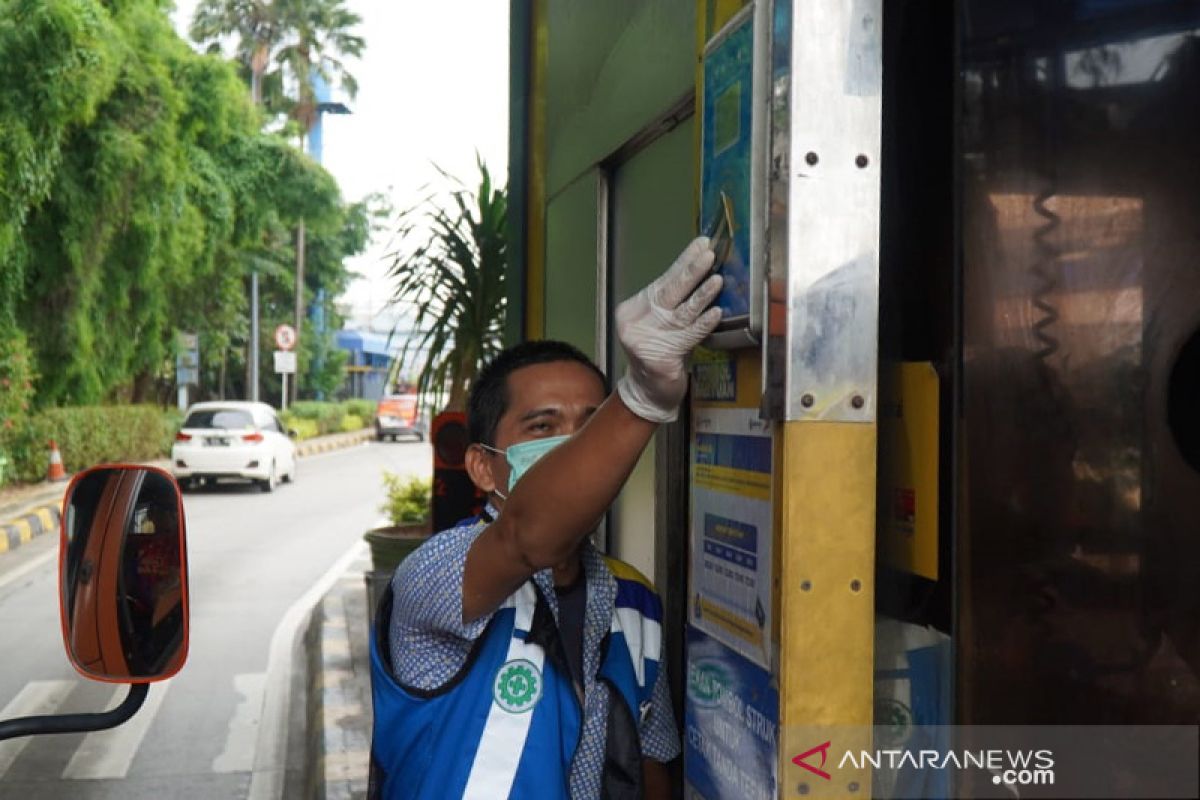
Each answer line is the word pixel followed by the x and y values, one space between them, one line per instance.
pixel 315 147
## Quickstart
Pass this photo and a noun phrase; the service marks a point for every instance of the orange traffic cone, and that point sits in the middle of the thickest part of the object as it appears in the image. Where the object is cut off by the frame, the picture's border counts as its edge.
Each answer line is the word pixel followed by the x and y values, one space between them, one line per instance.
pixel 57 472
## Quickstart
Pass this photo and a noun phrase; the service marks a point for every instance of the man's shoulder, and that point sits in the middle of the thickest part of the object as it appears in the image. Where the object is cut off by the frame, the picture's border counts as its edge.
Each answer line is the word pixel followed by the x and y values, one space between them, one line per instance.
pixel 438 552
pixel 624 571
pixel 634 590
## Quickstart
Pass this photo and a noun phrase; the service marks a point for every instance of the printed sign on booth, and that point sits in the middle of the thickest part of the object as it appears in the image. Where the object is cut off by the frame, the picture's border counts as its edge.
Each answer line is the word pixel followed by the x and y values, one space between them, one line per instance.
pixel 731 537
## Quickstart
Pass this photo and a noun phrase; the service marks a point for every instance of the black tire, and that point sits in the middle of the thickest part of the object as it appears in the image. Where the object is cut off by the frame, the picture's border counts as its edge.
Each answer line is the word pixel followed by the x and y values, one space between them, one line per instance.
pixel 420 437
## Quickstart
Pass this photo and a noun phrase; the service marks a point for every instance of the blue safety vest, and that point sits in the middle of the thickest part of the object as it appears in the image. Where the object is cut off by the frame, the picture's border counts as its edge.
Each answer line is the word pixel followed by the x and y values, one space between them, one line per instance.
pixel 509 723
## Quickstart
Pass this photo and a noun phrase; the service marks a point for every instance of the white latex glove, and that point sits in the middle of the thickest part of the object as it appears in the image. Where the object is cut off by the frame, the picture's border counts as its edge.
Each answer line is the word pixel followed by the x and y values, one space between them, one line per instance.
pixel 658 328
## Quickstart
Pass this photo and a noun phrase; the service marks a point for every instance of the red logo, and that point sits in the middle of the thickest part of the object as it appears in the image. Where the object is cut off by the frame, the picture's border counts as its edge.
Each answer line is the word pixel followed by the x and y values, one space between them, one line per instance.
pixel 823 749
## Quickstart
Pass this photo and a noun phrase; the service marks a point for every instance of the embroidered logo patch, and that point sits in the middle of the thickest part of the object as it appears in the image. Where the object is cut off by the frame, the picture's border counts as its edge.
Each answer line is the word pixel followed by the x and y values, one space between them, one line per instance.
pixel 518 686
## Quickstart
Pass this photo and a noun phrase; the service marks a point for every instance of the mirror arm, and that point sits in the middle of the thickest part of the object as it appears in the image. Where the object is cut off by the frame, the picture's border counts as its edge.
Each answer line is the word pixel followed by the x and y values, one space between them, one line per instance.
pixel 77 723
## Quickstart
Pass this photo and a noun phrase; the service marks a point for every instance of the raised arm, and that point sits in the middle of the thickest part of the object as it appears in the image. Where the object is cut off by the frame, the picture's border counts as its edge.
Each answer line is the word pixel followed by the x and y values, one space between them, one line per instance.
pixel 563 496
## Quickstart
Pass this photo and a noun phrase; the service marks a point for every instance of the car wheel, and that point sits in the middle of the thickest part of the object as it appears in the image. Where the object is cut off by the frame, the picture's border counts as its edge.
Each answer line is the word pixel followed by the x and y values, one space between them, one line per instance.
pixel 291 476
pixel 271 482
pixel 420 437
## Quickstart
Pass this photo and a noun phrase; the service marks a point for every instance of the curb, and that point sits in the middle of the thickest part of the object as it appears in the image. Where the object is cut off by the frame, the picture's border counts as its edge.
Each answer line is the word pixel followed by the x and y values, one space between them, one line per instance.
pixel 338 744
pixel 339 441
pixel 43 519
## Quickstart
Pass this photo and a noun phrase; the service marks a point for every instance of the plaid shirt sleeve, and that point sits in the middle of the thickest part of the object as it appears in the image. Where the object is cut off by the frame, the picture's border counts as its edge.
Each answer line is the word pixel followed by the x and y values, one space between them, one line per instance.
pixel 429 641
pixel 660 738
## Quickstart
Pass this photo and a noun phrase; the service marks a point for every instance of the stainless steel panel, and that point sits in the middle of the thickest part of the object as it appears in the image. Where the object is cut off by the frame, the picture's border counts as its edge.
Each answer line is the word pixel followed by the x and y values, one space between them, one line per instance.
pixel 823 289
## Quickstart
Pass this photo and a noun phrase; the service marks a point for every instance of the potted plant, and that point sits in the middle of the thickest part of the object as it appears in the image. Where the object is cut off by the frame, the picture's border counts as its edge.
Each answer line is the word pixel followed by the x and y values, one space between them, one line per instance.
pixel 407 508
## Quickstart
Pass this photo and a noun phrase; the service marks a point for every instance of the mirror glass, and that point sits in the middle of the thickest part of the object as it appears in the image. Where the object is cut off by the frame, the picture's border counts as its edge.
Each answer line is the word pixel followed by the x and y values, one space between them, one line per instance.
pixel 124 574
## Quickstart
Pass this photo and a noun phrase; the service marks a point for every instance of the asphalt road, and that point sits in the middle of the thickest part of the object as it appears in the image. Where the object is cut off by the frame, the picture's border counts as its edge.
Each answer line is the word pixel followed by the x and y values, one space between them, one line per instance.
pixel 231 724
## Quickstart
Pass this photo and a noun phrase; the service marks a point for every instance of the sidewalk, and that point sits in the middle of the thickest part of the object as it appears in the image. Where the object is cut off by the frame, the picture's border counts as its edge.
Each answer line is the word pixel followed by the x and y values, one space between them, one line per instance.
pixel 32 510
pixel 339 690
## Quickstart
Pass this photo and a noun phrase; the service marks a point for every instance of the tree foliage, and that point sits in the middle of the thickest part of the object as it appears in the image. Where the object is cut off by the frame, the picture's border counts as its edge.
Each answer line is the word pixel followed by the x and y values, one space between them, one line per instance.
pixel 137 193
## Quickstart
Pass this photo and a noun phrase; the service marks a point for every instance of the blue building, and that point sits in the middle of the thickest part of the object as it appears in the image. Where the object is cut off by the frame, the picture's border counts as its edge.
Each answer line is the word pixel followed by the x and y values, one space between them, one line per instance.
pixel 370 358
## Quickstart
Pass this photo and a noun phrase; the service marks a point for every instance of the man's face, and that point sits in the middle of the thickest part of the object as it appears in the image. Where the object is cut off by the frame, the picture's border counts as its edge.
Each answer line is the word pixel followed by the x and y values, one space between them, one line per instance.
pixel 551 399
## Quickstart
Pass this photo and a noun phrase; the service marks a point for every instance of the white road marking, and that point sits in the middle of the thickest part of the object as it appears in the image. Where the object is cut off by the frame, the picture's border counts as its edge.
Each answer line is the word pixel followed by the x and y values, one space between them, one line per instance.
pixel 238 755
pixel 270 752
pixel 36 699
pixel 108 754
pixel 28 567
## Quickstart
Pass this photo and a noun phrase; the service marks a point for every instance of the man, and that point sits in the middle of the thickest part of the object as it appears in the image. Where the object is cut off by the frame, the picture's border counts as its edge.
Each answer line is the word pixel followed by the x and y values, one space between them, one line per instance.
pixel 510 658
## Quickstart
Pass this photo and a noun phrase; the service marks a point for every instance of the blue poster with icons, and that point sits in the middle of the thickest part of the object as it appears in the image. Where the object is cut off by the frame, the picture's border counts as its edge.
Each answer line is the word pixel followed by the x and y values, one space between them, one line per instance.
pixel 731 723
pixel 726 139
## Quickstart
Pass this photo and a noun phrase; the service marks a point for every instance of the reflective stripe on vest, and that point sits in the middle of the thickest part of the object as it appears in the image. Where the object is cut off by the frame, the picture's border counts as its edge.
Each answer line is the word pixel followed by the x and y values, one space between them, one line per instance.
pixel 505 732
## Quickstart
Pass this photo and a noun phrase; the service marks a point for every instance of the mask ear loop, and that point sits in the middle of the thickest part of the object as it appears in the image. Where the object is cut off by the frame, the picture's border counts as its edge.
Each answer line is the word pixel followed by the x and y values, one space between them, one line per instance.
pixel 495 491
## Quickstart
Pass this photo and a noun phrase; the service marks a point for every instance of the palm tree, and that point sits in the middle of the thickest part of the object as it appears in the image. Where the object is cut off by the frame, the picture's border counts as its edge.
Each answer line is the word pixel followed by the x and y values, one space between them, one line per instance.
pixel 255 23
pixel 318 36
pixel 305 37
pixel 454 280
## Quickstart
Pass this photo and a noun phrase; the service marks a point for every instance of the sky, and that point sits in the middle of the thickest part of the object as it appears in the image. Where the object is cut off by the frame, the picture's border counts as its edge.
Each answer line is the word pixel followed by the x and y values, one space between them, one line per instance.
pixel 432 89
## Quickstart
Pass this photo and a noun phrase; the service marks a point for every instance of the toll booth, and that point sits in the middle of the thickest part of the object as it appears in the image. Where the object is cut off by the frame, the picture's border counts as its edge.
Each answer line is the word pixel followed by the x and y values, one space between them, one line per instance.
pixel 939 468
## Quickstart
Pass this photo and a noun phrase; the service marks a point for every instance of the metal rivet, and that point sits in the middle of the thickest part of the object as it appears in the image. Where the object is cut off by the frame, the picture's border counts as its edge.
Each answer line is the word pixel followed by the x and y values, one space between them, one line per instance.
pixel 853 786
pixel 857 401
pixel 802 788
pixel 855 585
pixel 811 159
pixel 862 161
pixel 807 401
pixel 805 585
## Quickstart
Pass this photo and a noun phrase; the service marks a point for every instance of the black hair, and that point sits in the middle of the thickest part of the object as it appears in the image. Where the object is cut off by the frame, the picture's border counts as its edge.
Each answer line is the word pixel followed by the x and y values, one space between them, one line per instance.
pixel 489 392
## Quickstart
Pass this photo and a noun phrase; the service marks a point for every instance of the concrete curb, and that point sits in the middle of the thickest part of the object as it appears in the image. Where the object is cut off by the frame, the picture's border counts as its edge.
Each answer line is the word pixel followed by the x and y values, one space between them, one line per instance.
pixel 339 692
pixel 38 521
pixel 337 441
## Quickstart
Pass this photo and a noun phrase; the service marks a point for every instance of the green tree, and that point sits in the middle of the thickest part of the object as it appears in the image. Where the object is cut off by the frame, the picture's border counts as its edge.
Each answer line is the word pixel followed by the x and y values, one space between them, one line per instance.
pixel 136 193
pixel 58 60
pixel 450 268
pixel 255 23
pixel 319 36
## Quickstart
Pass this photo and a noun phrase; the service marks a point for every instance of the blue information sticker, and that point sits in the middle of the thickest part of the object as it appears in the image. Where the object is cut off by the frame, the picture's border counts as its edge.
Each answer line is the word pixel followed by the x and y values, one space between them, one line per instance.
pixel 725 171
pixel 731 716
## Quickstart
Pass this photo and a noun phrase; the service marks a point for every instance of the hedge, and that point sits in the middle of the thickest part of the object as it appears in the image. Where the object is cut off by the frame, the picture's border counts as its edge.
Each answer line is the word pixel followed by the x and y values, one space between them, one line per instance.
pixel 87 436
pixel 98 434
pixel 350 415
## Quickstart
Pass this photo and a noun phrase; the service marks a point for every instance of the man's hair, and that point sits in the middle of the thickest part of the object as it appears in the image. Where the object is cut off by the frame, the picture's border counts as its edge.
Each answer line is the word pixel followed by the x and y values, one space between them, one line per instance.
pixel 489 393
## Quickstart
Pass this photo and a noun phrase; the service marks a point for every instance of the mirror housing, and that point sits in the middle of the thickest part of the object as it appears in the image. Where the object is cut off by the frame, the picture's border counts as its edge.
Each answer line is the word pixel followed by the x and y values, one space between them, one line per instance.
pixel 123 574
pixel 292 433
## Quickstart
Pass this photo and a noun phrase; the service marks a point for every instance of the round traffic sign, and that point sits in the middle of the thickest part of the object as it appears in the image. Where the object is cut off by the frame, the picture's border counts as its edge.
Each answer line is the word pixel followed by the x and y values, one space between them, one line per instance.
pixel 285 337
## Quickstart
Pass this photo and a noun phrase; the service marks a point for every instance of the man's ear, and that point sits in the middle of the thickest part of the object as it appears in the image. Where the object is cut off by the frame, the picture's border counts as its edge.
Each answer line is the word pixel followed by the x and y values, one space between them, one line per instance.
pixel 479 467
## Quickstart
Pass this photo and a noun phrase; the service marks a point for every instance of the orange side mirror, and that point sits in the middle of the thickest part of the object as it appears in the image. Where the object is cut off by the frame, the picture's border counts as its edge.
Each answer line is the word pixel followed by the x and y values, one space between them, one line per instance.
pixel 123 574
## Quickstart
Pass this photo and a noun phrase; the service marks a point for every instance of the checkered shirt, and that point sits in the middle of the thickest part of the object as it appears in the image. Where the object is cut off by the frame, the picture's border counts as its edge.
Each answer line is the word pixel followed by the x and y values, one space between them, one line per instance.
pixel 429 643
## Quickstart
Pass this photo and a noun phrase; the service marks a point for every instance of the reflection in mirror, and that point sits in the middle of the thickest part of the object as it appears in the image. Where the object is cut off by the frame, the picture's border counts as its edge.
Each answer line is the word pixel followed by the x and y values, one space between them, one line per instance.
pixel 124 574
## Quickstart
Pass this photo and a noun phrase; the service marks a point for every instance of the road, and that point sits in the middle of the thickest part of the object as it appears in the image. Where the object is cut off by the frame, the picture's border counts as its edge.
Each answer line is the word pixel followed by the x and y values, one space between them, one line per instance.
pixel 256 562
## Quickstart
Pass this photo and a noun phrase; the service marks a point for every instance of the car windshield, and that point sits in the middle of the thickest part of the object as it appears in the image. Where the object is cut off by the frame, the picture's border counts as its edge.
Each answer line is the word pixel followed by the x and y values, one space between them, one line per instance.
pixel 226 418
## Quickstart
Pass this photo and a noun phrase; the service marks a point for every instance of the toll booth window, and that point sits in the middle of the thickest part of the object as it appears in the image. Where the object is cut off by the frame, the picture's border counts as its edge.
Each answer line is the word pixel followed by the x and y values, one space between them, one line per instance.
pixel 1079 561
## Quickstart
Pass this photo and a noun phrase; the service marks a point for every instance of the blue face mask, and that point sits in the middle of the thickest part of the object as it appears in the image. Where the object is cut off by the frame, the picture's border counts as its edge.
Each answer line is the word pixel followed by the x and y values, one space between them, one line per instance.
pixel 523 455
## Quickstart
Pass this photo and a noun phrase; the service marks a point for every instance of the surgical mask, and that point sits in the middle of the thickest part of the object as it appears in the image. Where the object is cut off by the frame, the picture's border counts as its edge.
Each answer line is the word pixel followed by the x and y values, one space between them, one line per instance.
pixel 523 455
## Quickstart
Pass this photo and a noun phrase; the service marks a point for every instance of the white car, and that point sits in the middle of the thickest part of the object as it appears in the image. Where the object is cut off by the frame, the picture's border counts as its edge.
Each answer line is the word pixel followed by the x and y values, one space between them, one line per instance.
pixel 233 439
